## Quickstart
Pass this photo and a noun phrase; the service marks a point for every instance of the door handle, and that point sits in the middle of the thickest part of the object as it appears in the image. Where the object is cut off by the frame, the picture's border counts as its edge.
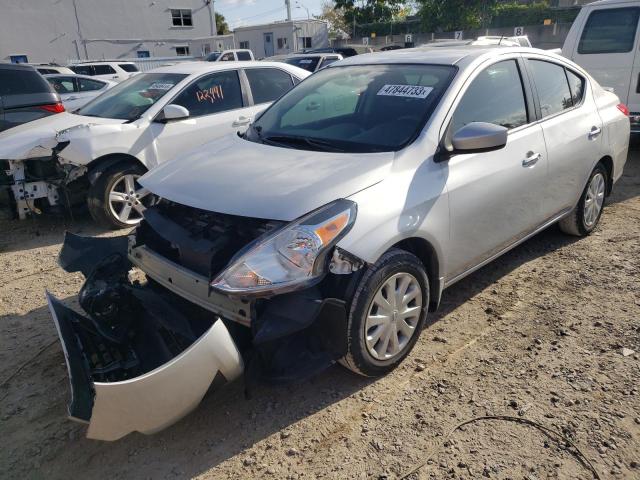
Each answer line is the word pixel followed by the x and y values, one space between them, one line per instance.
pixel 532 159
pixel 595 131
pixel 241 122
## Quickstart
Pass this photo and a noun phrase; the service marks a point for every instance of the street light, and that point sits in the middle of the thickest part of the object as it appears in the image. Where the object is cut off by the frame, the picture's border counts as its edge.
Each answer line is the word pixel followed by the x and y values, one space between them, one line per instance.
pixel 300 5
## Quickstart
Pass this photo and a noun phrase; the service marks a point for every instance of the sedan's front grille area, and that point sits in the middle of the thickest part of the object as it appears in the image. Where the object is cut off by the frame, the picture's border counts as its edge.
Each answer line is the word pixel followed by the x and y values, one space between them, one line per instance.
pixel 201 241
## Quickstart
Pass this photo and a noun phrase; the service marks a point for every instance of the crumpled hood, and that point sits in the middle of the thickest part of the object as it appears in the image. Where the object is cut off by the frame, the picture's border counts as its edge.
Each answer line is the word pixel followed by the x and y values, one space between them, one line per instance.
pixel 37 138
pixel 239 177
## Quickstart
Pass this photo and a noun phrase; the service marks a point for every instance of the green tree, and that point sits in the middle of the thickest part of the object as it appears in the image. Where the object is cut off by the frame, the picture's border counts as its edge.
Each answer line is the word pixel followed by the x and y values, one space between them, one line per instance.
pixel 335 18
pixel 221 24
pixel 370 11
pixel 449 15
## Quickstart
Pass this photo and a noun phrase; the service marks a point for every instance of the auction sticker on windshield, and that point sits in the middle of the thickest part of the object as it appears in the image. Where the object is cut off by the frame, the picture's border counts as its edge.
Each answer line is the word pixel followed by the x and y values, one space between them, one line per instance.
pixel 161 86
pixel 409 91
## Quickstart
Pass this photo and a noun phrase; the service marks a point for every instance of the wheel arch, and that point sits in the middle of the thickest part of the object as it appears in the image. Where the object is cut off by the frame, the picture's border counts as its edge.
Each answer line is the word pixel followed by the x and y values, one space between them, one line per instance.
pixel 102 164
pixel 428 255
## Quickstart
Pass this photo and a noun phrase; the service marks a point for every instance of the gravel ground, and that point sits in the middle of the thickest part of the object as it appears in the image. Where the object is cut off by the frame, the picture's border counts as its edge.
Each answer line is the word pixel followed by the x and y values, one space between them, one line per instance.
pixel 540 334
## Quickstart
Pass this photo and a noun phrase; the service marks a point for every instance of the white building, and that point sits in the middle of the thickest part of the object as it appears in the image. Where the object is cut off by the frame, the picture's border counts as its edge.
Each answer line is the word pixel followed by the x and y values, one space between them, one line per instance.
pixel 281 38
pixel 61 30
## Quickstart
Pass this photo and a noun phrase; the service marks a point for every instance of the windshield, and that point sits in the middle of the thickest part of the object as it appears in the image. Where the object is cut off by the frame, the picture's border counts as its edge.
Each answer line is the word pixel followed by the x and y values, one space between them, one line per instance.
pixel 131 98
pixel 363 108
pixel 308 63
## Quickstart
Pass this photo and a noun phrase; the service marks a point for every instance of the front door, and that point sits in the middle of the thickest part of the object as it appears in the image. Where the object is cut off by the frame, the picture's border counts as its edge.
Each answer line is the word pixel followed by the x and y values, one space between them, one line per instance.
pixel 215 103
pixel 268 45
pixel 495 198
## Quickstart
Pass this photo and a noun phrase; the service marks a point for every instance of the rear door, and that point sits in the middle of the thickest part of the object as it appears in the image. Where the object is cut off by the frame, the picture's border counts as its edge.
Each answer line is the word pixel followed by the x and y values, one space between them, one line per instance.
pixel 215 102
pixel 496 198
pixel 607 46
pixel 572 130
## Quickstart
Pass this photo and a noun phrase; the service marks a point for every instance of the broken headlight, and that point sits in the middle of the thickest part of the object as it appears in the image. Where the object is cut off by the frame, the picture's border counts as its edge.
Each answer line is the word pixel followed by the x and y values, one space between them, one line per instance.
pixel 292 257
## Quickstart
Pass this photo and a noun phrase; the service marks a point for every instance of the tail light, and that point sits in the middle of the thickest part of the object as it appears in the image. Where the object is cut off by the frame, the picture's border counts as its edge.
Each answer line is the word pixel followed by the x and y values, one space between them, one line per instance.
pixel 623 108
pixel 53 108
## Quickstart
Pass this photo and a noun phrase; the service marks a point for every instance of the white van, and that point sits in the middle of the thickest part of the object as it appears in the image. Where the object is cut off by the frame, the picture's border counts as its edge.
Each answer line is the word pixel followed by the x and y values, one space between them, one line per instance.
pixel 604 40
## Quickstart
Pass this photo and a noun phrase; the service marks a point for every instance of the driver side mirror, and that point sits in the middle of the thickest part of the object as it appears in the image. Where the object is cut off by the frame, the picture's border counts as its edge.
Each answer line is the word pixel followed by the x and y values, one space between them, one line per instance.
pixel 173 112
pixel 475 137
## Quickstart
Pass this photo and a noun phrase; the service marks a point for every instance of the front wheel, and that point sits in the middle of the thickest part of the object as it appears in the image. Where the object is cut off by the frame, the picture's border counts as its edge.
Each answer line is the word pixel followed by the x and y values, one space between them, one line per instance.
pixel 116 199
pixel 388 312
pixel 585 217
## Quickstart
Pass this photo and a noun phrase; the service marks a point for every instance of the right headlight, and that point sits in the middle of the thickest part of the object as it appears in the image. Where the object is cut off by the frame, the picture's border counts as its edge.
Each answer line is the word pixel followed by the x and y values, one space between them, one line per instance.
pixel 291 258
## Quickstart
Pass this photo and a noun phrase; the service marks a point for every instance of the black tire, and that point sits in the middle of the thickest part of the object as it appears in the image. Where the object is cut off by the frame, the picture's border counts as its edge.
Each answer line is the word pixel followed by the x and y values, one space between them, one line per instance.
pixel 98 195
pixel 574 223
pixel 358 359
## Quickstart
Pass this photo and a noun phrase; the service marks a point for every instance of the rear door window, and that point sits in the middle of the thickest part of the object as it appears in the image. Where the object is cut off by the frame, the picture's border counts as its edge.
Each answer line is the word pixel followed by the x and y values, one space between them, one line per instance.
pixel 611 30
pixel 128 67
pixel 552 86
pixel 103 69
pixel 215 93
pixel 227 57
pixel 244 56
pixel 268 84
pixel 495 96
pixel 83 69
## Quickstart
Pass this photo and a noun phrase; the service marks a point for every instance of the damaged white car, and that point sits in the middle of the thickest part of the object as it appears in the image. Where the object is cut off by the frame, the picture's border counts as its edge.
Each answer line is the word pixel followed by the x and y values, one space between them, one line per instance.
pixel 98 152
pixel 331 227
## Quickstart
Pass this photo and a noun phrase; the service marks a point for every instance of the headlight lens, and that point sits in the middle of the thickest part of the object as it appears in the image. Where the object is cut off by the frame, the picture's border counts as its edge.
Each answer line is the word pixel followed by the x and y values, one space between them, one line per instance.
pixel 292 257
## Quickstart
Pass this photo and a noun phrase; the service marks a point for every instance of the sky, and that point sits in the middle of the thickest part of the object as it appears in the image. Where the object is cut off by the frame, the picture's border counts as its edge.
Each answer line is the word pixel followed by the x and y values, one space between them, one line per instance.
pixel 250 12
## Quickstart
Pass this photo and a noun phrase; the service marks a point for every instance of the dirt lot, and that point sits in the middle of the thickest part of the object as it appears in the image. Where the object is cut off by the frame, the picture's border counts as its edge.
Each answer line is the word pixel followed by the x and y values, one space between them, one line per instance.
pixel 538 334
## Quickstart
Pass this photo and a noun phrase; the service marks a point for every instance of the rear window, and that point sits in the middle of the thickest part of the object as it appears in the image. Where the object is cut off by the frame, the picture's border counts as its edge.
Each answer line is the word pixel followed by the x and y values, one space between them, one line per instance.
pixel 360 108
pixel 610 31
pixel 128 67
pixel 103 69
pixel 19 82
pixel 307 63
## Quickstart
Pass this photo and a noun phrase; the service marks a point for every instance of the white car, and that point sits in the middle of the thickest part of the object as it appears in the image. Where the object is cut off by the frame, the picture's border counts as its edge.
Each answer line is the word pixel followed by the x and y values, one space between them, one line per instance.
pixel 329 230
pixel 102 148
pixel 237 55
pixel 77 90
pixel 115 71
pixel 604 40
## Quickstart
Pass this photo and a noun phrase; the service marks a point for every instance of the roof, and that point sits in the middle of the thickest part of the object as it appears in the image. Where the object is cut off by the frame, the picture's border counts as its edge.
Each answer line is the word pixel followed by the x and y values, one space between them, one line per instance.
pixel 262 26
pixel 608 2
pixel 16 66
pixel 104 62
pixel 431 55
pixel 190 68
pixel 313 55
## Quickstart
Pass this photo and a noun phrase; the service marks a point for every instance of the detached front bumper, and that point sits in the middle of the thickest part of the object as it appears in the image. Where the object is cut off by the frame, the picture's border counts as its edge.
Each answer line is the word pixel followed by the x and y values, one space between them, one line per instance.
pixel 135 362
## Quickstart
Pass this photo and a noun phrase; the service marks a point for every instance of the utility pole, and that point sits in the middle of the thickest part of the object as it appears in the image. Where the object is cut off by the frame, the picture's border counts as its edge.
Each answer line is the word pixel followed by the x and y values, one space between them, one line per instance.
pixel 212 17
pixel 288 4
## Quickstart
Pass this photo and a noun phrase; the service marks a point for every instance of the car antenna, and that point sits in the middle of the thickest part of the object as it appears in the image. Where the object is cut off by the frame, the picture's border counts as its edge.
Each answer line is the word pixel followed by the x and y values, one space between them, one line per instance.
pixel 500 41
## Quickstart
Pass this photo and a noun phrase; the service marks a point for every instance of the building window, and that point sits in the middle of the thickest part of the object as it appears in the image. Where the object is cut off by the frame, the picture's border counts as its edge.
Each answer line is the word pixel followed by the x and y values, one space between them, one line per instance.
pixel 182 51
pixel 181 18
pixel 306 42
pixel 244 45
pixel 143 53
pixel 282 43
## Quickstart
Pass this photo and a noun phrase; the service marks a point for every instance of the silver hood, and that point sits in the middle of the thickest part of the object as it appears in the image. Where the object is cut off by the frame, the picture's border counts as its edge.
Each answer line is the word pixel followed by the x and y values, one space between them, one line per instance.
pixel 239 177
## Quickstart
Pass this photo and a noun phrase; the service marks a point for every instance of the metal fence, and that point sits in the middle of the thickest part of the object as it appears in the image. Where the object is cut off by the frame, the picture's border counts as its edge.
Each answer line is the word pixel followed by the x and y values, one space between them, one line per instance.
pixel 143 64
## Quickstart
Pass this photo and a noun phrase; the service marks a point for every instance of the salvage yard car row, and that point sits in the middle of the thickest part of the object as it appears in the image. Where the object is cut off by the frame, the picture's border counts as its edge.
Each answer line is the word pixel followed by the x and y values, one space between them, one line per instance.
pixel 323 228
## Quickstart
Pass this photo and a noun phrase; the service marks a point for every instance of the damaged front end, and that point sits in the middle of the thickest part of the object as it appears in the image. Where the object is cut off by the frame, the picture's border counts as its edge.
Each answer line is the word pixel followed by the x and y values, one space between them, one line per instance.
pixel 33 179
pixel 147 350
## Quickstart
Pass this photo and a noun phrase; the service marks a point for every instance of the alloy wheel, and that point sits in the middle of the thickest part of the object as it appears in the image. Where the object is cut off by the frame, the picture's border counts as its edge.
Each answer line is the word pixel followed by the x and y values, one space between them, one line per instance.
pixel 594 200
pixel 126 199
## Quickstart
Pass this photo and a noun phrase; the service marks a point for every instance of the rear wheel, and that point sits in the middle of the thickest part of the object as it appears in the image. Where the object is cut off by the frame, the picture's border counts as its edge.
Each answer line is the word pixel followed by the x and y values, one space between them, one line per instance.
pixel 116 199
pixel 585 217
pixel 387 314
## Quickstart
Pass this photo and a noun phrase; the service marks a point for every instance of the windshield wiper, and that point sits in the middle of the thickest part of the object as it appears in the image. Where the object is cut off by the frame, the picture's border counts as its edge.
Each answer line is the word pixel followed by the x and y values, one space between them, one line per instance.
pixel 290 141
